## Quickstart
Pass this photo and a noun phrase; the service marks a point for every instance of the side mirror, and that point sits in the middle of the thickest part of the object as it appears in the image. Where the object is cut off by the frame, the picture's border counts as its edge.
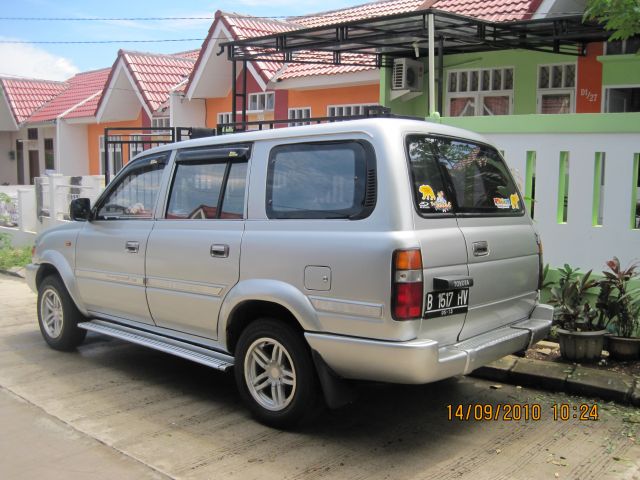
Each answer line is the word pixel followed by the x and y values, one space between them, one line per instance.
pixel 80 209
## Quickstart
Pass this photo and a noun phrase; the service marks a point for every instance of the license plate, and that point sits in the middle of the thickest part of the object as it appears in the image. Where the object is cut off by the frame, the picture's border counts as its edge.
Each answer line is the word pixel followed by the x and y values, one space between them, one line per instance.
pixel 446 302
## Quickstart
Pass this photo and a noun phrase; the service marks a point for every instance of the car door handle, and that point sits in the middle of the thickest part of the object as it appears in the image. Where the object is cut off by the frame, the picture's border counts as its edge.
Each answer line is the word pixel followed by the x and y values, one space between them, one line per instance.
pixel 132 247
pixel 219 250
pixel 480 249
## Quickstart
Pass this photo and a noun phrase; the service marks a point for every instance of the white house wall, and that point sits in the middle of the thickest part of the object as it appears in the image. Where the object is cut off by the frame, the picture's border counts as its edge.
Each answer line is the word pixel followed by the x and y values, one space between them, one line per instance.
pixel 187 113
pixel 577 241
pixel 72 154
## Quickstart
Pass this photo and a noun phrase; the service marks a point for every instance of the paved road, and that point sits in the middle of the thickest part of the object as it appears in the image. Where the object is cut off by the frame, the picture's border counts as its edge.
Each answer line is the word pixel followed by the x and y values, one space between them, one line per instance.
pixel 138 409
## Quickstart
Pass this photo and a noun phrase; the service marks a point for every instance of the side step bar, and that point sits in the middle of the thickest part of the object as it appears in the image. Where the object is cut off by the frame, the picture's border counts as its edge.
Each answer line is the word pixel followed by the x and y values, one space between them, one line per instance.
pixel 204 356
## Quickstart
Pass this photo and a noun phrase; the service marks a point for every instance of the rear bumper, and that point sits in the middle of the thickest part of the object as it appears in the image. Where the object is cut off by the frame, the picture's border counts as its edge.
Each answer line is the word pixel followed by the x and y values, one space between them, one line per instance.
pixel 424 361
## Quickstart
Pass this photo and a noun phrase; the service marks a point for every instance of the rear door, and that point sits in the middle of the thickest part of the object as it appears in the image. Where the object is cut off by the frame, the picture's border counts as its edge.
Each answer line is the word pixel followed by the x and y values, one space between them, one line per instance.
pixel 500 242
pixel 193 255
pixel 443 248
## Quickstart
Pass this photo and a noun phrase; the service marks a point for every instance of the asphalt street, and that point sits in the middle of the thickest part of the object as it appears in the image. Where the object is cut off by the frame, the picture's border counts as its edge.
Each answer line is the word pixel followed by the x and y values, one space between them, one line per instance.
pixel 114 410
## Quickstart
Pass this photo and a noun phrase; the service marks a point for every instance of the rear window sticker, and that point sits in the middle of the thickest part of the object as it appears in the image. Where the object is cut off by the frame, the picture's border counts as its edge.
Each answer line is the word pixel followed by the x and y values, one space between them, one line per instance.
pixel 502 203
pixel 428 197
pixel 427 192
pixel 441 203
pixel 515 201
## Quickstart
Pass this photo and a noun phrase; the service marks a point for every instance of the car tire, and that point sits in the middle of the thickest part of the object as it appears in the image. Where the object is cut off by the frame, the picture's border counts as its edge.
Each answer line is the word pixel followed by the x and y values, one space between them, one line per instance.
pixel 275 374
pixel 58 315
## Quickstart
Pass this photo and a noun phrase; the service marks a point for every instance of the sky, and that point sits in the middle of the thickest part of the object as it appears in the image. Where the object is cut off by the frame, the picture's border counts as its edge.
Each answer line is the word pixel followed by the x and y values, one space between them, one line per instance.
pixel 59 62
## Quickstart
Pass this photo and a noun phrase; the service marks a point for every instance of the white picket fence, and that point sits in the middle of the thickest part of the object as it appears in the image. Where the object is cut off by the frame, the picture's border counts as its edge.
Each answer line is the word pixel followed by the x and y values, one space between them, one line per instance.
pixel 34 208
pixel 581 241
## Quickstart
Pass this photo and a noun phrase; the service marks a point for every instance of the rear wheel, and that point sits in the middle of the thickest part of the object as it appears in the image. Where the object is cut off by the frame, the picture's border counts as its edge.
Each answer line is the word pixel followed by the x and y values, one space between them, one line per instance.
pixel 275 373
pixel 58 315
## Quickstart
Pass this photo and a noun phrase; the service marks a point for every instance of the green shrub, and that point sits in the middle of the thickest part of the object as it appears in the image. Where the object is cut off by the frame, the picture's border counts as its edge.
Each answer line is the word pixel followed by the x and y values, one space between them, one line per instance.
pixel 11 256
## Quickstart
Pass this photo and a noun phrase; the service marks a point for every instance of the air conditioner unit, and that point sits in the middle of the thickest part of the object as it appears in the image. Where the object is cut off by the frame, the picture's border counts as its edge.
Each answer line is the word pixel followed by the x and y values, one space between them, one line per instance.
pixel 408 75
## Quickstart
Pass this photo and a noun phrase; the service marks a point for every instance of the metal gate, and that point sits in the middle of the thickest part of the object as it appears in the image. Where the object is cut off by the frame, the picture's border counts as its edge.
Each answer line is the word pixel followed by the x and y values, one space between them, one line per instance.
pixel 120 145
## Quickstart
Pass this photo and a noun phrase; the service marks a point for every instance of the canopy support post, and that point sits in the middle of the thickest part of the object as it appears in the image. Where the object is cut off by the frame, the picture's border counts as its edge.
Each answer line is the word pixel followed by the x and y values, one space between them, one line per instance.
pixel 432 66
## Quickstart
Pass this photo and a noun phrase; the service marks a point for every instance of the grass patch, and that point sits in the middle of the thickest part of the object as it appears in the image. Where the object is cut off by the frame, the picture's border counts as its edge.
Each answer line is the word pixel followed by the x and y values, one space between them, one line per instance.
pixel 11 256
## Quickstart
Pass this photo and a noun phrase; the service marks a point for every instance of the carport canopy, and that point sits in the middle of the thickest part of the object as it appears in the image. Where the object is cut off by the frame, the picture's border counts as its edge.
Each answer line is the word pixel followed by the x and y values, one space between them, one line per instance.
pixel 377 41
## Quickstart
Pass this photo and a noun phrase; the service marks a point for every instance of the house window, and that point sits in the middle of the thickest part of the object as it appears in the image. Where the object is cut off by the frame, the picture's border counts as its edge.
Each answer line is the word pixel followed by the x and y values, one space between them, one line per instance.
pixel 623 47
pixel 480 92
pixel 49 162
pixel 299 113
pixel 32 133
pixel 225 118
pixel 348 110
pixel 556 88
pixel 259 102
pixel 160 122
pixel 625 99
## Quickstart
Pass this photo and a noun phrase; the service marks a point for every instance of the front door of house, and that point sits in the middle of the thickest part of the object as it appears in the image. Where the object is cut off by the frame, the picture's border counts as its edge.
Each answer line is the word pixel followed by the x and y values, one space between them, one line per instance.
pixel 34 165
pixel 20 161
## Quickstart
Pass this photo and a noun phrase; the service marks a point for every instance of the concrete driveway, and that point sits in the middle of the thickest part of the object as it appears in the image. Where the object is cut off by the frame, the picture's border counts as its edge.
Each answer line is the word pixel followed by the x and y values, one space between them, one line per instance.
pixel 153 416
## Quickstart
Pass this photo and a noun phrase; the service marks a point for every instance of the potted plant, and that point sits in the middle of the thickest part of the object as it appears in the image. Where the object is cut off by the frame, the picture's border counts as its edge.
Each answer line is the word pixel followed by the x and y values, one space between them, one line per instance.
pixel 618 303
pixel 580 333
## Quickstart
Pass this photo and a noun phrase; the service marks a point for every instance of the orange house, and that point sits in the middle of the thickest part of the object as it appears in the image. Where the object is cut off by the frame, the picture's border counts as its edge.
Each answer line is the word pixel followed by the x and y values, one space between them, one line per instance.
pixel 274 90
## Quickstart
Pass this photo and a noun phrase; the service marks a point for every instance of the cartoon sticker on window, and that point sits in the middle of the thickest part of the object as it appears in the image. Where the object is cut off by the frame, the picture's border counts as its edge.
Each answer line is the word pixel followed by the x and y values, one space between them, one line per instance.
pixel 441 203
pixel 502 203
pixel 513 202
pixel 431 201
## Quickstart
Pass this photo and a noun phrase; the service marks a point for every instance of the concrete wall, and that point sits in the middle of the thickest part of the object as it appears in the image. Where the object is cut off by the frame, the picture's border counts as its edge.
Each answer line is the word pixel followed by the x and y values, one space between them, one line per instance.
pixel 72 151
pixel 185 113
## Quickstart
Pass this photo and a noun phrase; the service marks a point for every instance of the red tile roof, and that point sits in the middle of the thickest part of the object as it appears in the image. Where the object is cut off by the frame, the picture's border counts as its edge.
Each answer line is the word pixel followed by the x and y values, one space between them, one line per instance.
pixel 78 100
pixel 192 54
pixel 25 96
pixel 359 12
pixel 493 10
pixel 154 74
pixel 243 26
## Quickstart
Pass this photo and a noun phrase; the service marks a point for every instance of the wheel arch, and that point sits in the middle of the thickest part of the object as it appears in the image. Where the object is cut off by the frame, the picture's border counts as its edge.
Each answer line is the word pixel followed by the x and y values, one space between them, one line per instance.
pixel 54 263
pixel 254 299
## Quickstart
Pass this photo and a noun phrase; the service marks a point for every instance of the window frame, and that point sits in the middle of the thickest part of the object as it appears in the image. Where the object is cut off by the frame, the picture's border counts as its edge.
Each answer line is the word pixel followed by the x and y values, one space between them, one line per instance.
pixel 542 91
pixel 479 94
pixel 32 133
pixel 259 95
pixel 605 96
pixel 370 183
pixel 360 106
pixel 125 170
pixel 230 161
pixel 224 118
pixel 296 111
pixel 449 186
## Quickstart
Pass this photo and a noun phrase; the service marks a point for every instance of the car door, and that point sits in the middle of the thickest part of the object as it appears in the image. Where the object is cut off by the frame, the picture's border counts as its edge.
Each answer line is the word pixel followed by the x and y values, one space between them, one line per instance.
pixel 501 248
pixel 193 254
pixel 110 249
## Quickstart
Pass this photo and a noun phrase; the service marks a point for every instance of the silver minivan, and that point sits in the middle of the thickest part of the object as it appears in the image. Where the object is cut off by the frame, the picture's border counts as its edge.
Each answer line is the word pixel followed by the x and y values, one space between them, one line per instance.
pixel 380 249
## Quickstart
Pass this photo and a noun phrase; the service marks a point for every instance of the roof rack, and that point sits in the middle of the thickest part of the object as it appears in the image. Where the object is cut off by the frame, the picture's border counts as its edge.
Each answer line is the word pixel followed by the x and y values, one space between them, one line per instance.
pixel 370 111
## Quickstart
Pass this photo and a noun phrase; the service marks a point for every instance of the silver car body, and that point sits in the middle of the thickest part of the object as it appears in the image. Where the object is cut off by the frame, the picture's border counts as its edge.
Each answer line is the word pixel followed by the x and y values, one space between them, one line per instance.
pixel 332 275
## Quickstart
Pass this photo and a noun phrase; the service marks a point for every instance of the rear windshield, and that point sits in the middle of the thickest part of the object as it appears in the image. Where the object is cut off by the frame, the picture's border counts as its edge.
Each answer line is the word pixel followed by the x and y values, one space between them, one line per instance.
pixel 458 176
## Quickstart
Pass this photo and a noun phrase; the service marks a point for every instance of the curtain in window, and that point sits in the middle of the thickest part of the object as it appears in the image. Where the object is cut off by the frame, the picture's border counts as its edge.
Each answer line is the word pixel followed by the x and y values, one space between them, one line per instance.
pixel 498 105
pixel 462 107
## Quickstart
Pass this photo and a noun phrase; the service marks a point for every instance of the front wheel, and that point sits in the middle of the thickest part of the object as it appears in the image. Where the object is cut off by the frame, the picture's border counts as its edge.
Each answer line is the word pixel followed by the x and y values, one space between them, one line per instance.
pixel 275 374
pixel 58 316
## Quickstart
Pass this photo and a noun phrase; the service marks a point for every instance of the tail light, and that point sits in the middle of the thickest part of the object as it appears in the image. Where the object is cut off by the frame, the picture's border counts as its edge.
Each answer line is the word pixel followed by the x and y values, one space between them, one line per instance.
pixel 540 263
pixel 407 286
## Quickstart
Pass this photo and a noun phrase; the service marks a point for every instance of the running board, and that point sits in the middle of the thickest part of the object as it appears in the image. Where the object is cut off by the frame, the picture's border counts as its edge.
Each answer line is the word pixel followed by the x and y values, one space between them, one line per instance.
pixel 204 356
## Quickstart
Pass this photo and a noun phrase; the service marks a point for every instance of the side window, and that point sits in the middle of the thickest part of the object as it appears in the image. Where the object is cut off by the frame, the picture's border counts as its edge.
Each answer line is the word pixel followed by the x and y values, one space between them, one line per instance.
pixel 321 180
pixel 206 190
pixel 134 195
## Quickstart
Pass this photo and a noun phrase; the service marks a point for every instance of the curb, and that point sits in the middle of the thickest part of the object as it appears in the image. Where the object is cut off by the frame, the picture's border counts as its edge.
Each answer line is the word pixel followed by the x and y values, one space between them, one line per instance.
pixel 557 377
pixel 17 272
